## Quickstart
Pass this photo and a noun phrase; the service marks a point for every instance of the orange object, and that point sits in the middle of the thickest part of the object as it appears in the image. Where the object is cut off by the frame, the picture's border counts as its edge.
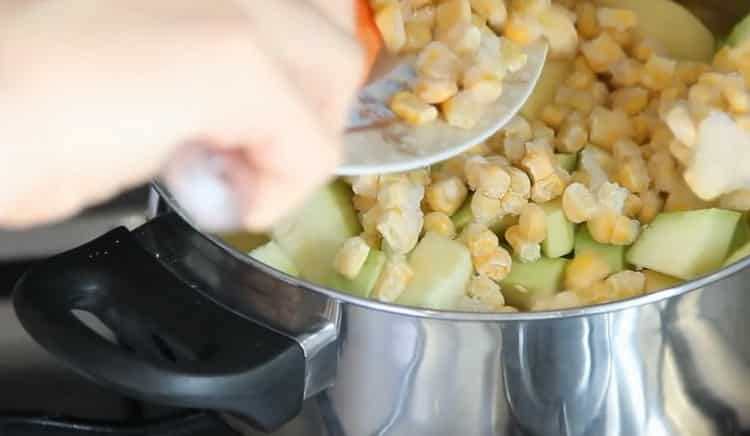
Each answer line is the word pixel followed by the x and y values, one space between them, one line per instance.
pixel 368 33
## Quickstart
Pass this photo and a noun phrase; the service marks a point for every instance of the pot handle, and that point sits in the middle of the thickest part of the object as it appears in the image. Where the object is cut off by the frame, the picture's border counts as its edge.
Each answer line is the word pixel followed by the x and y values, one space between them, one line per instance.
pixel 174 346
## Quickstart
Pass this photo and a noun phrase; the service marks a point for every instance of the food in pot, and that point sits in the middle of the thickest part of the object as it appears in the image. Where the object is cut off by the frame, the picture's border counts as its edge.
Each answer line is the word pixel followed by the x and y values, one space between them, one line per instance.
pixel 624 174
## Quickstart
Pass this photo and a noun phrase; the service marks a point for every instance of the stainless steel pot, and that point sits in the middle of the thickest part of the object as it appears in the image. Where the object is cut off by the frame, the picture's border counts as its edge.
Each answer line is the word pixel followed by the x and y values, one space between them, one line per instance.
pixel 200 325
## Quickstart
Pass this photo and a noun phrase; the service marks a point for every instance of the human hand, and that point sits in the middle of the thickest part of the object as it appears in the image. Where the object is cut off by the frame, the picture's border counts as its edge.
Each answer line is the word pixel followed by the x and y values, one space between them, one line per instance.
pixel 238 104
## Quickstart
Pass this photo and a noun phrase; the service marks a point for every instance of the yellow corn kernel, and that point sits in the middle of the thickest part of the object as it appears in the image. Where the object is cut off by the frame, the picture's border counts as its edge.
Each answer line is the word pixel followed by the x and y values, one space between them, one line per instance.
pixel 485 209
pixel 520 184
pixel 548 188
pixel 398 194
pixel 392 280
pixel 372 239
pixel 608 126
pixel 400 229
pixel 587 21
pixel 450 15
pixel 682 198
pixel 538 165
pixel 626 284
pixel 416 4
pixel 486 91
pixel 514 148
pixel 493 11
pixel 522 29
pixel 560 32
pixel 554 114
pixel 658 73
pixel 581 176
pixel 738 200
pixel 602 52
pixel 434 91
pixel 633 206
pixel 679 120
pixel 584 270
pixel 520 127
pixel 572 136
pixel 652 204
pixel 624 149
pixel 453 167
pixel 513 203
pixel 482 71
pixel 597 293
pixel 529 7
pixel 542 131
pixel 446 195
pixel 626 72
pixel 512 55
pixel 626 38
pixel 539 146
pixel 462 110
pixel 702 98
pixel 624 231
pixel 362 203
pixel 644 48
pixel 480 149
pixel 440 223
pixel 663 171
pixel 631 100
pixel 735 94
pixel 390 22
pixel 485 290
pixel 580 79
pixel 351 257
pixel 412 109
pixel 495 265
pixel 418 35
pixel 532 223
pixel 681 152
pixel 600 92
pixel 580 100
pixel 618 19
pixel 612 197
pixel 633 174
pixel 578 203
pixel 464 39
pixel 525 251
pixel 688 72
pixel 420 176
pixel 472 166
pixel 369 219
pixel 601 226
pixel 478 239
pixel 643 125
pixel 437 61
pixel 365 185
pixel 494 181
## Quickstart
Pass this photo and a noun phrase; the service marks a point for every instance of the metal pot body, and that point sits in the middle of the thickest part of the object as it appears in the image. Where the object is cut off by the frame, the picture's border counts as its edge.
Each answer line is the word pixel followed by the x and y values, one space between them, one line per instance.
pixel 675 366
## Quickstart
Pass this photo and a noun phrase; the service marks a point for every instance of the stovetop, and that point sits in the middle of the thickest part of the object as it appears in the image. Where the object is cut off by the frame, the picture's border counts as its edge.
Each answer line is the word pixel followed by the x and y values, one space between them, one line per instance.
pixel 41 396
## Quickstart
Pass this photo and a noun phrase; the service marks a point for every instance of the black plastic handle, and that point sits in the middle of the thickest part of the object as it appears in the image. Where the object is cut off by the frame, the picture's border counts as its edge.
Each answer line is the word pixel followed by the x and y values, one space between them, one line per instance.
pixel 174 345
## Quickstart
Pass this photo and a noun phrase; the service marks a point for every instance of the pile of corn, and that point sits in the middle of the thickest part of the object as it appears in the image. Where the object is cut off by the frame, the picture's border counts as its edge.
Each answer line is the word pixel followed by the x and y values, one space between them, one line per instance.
pixel 627 110
pixel 462 55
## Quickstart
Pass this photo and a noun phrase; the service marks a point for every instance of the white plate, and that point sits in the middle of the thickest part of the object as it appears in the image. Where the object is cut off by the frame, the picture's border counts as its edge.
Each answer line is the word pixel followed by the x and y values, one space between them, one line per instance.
pixel 377 143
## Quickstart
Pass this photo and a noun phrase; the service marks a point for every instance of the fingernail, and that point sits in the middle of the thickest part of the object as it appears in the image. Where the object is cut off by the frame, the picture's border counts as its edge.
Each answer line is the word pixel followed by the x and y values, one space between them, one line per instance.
pixel 200 182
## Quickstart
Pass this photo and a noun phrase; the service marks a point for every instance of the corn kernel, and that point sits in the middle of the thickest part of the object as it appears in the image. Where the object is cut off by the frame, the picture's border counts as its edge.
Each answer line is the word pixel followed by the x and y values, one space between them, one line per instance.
pixel 584 270
pixel 681 198
pixel 514 148
pixel 369 219
pixel 464 39
pixel 580 100
pixel 560 32
pixel 437 61
pixel 485 209
pixel 539 146
pixel 525 251
pixel 472 166
pixel 532 223
pixel 598 164
pixel 626 284
pixel 598 292
pixel 486 91
pixel 412 109
pixel 626 72
pixel 365 185
pixel 522 30
pixel 652 206
pixel 392 281
pixel 400 229
pixel 645 48
pixel 624 231
pixel 624 149
pixel 542 131
pixel 608 126
pixel 478 239
pixel 572 136
pixel 633 206
pixel 680 122
pixel 529 7
pixel 578 203
pixel 663 171
pixel 560 301
pixel 351 257
pixel 630 100
pixel 485 290
pixel 735 94
pixel 658 73
pixel 434 91
pixel 602 225
pixel 580 79
pixel 600 93
pixel 602 52
pixel 362 203
pixel 520 127
pixel 513 204
pixel 520 184
pixel 626 38
pixel 581 176
pixel 643 125
pixel 681 152
pixel 493 11
pixel 738 200
pixel 611 197
pixel 418 35
pixel 446 195
pixel 554 114
pixel 495 265
pixel 440 223
pixel 538 165
pixel 587 21
pixel 633 174
pixel 450 15
pixel 618 19
pixel 512 55
pixel 702 98
pixel 462 110
pixel 390 22
pixel 494 181
pixel 688 72
pixel 547 188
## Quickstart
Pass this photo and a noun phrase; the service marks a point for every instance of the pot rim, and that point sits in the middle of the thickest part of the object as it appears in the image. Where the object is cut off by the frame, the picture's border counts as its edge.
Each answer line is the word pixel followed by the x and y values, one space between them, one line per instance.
pixel 445 315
